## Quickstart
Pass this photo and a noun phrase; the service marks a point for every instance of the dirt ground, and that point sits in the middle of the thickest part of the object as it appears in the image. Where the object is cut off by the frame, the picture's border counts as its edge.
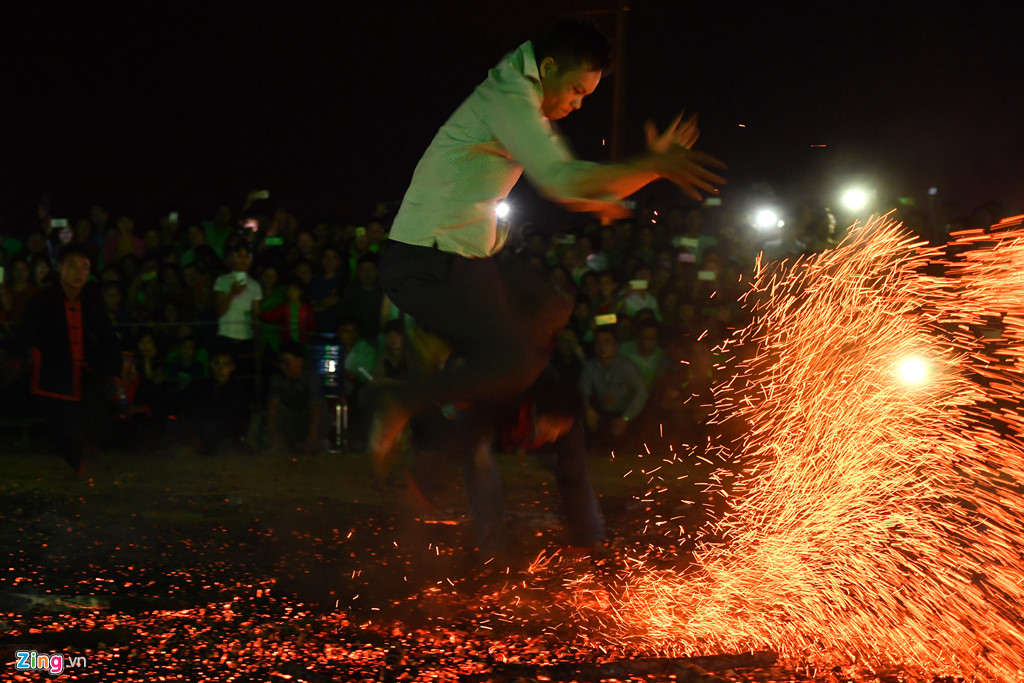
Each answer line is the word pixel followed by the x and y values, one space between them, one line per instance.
pixel 172 566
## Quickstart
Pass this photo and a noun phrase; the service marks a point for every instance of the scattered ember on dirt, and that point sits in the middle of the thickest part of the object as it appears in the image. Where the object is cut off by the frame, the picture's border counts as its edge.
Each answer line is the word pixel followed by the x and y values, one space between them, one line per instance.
pixel 859 516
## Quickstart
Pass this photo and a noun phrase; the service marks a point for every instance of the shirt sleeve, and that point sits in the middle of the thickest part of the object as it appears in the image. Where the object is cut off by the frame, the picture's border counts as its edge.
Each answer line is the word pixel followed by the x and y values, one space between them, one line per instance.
pixel 222 284
pixel 510 104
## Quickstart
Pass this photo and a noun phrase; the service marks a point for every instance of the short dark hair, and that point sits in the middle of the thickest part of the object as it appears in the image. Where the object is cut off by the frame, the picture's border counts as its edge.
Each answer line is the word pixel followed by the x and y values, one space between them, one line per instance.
pixel 293 348
pixel 73 249
pixel 612 329
pixel 238 246
pixel 574 41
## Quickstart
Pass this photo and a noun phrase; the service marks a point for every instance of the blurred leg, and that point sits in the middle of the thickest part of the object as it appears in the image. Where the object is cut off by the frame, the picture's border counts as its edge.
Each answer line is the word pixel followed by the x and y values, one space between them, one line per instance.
pixel 579 502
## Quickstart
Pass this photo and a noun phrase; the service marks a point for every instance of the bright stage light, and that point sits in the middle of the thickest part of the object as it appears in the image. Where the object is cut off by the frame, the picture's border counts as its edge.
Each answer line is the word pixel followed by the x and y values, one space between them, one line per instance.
pixel 503 210
pixel 912 370
pixel 767 219
pixel 855 199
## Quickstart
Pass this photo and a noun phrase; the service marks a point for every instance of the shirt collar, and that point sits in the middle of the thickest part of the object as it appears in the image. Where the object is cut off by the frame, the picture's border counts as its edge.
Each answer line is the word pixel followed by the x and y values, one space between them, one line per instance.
pixel 530 68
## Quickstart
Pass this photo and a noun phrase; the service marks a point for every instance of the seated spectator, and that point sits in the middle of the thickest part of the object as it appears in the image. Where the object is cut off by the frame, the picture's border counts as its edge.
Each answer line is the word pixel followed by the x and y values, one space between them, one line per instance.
pixel 360 355
pixel 152 373
pixel 17 291
pixel 590 286
pixel 362 299
pixel 366 242
pixel 186 364
pixel 394 361
pixel 293 318
pixel 133 406
pixel 360 360
pixel 302 270
pixel 296 407
pixel 639 296
pixel 42 273
pixel 613 390
pixel 607 301
pixel 582 322
pixel 216 410
pixel 195 238
pixel 325 291
pixel 644 247
pixel 561 281
pixel 124 243
pixel 218 231
pixel 646 354
pixel 569 357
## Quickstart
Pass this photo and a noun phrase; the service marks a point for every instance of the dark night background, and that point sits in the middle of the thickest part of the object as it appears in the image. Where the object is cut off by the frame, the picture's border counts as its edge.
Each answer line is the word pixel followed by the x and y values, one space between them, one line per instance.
pixel 173 106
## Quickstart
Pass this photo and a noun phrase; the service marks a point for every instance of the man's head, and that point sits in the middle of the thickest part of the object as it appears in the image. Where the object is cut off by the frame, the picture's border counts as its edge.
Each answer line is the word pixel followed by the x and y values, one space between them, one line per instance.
pixel 348 333
pixel 647 337
pixel 222 366
pixel 606 343
pixel 292 359
pixel 74 265
pixel 394 335
pixel 571 57
pixel 240 258
pixel 366 271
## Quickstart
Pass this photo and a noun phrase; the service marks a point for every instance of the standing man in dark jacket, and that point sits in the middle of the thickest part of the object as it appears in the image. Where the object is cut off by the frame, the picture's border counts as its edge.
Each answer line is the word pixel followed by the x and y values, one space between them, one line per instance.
pixel 71 345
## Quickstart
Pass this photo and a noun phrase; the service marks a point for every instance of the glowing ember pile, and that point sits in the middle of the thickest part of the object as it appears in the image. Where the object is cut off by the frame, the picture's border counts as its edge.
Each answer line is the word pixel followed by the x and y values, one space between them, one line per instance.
pixel 877 521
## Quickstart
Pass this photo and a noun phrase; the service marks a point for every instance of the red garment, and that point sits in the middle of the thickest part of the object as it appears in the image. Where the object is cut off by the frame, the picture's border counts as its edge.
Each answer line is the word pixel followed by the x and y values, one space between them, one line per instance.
pixel 282 316
pixel 73 314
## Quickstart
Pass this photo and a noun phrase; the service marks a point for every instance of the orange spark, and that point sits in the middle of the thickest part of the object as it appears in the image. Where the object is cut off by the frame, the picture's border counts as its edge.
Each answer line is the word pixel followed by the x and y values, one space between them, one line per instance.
pixel 877 517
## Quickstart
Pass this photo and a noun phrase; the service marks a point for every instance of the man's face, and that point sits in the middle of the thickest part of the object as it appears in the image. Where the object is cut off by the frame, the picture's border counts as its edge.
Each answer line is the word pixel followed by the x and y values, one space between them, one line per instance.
pixel 291 366
pixel 74 271
pixel 222 367
pixel 112 297
pixel 393 341
pixel 330 261
pixel 646 340
pixel 605 346
pixel 565 88
pixel 242 259
pixel 348 334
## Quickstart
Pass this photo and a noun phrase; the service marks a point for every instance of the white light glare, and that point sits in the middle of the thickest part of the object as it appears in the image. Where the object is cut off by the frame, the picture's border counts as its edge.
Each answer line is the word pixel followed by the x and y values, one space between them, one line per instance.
pixel 912 370
pixel 765 219
pixel 855 199
pixel 503 210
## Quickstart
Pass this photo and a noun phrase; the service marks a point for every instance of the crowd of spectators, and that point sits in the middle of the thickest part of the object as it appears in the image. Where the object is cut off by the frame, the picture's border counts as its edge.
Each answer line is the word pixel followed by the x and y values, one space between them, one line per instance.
pixel 242 306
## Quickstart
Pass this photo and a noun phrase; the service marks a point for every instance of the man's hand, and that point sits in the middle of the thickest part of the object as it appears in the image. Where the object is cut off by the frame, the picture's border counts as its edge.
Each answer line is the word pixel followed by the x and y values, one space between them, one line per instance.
pixel 592 419
pixel 618 426
pixel 686 168
pixel 671 156
pixel 237 288
pixel 680 133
